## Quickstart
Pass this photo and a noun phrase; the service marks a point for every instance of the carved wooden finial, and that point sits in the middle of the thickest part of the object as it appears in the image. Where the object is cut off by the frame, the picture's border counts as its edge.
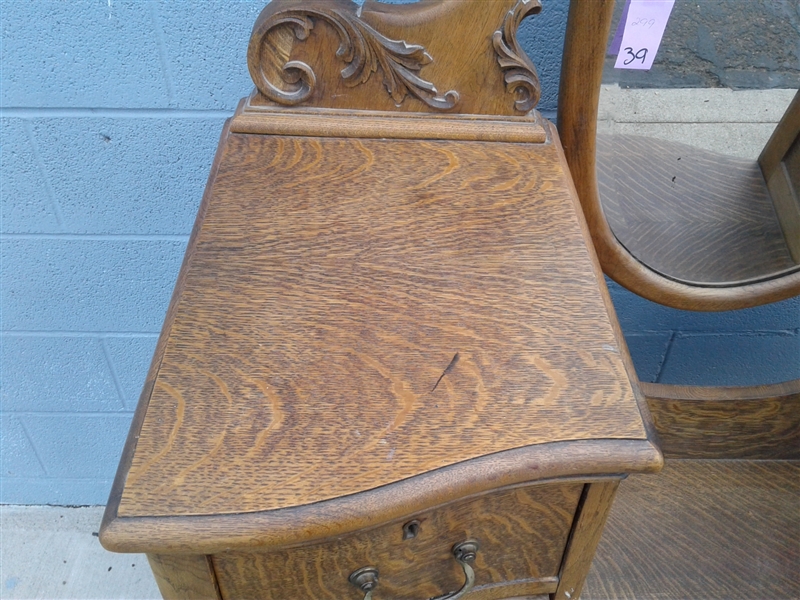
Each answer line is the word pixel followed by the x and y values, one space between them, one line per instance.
pixel 434 56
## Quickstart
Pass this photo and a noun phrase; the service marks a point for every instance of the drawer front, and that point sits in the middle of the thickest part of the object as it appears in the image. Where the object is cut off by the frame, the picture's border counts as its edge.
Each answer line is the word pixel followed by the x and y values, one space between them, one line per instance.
pixel 521 532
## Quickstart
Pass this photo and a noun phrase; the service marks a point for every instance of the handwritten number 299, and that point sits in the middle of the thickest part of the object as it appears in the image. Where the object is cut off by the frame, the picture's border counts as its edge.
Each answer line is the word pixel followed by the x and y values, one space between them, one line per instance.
pixel 644 22
pixel 638 55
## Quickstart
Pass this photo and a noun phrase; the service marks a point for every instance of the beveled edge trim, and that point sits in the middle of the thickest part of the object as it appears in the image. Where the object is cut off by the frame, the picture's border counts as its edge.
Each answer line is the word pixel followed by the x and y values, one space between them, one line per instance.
pixel 209 534
pixel 316 122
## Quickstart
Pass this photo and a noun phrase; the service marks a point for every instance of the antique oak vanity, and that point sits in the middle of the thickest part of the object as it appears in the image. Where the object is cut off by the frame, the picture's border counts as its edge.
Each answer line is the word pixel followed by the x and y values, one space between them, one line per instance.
pixel 390 368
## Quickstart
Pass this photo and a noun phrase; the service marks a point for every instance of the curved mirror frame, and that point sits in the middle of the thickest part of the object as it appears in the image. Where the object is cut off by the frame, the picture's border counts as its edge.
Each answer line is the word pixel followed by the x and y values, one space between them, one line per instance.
pixel 681 276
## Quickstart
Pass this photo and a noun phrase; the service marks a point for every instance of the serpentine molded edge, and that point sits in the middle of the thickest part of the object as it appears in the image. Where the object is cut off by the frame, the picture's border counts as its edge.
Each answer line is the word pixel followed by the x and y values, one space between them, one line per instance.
pixel 581 460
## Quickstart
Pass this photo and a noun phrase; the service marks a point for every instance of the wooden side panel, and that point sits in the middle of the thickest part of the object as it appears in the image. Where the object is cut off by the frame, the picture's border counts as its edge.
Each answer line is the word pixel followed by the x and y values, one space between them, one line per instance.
pixel 781 139
pixel 786 199
pixel 522 533
pixel 710 529
pixel 792 165
pixel 184 577
pixel 780 163
pixel 586 532
pixel 755 422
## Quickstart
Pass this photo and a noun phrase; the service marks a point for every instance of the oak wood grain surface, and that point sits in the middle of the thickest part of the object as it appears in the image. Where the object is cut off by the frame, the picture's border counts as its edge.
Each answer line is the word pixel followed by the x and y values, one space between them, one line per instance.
pixel 710 529
pixel 692 215
pixel 522 533
pixel 365 319
pixel 759 422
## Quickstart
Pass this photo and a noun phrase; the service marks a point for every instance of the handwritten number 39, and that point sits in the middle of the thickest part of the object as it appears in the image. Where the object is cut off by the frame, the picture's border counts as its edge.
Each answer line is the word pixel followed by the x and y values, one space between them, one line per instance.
pixel 639 55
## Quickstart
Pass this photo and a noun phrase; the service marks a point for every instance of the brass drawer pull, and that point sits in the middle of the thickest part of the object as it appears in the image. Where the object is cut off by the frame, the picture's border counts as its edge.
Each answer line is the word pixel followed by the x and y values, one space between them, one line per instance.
pixel 464 553
pixel 366 578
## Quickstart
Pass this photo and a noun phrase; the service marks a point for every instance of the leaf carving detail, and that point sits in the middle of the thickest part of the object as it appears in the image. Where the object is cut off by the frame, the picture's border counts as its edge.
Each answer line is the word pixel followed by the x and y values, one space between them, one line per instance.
pixel 520 73
pixel 363 49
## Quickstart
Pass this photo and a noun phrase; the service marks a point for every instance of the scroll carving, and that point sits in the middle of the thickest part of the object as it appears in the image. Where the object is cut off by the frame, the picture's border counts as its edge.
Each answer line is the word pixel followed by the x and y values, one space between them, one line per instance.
pixel 520 73
pixel 361 47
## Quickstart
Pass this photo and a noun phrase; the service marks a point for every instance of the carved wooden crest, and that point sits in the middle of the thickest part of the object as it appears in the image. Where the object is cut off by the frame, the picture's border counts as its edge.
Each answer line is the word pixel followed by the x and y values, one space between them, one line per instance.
pixel 364 51
pixel 434 56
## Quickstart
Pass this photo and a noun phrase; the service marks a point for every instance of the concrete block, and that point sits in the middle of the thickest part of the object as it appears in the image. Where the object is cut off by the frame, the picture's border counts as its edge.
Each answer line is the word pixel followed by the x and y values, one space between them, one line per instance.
pixel 17 456
pixel 207 50
pixel 637 315
pixel 743 359
pixel 79 446
pixel 140 175
pixel 81 54
pixel 542 38
pixel 51 552
pixel 648 351
pixel 64 374
pixel 131 358
pixel 87 285
pixel 25 205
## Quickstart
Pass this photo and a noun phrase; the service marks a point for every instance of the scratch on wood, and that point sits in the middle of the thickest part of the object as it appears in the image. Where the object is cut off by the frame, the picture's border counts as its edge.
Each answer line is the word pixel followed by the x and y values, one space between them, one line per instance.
pixel 446 371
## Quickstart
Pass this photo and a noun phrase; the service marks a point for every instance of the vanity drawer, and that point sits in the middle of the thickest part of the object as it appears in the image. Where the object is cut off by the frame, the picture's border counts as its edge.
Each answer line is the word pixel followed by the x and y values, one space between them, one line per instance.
pixel 521 534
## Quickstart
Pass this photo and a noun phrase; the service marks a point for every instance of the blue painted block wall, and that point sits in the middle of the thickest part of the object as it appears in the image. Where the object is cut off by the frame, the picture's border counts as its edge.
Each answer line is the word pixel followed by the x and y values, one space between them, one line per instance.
pixel 111 111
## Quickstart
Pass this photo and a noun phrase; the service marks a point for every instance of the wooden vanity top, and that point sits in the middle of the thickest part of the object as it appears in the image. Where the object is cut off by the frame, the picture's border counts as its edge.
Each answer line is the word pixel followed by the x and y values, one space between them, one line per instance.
pixel 348 320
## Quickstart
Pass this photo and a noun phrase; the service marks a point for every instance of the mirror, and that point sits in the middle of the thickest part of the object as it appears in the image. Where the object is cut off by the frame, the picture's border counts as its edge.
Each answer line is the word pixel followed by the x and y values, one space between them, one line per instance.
pixel 689 181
